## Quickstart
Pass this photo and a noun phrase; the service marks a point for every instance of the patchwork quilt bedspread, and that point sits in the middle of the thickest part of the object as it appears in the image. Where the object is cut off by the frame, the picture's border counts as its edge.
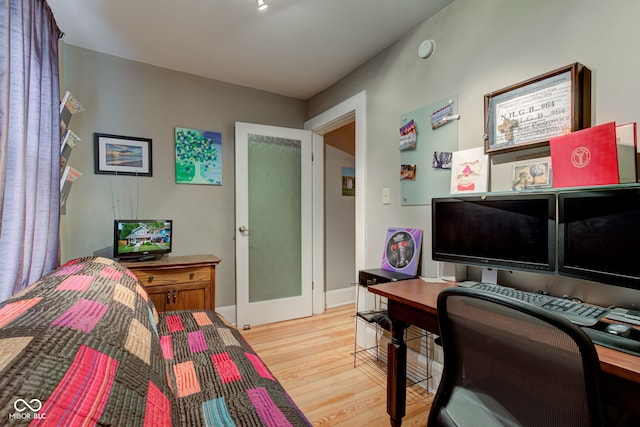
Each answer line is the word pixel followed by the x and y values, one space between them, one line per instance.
pixel 217 378
pixel 84 345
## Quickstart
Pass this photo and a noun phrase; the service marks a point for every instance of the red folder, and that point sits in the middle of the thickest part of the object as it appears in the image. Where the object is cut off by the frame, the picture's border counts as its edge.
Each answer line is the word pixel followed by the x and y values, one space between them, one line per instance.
pixel 585 157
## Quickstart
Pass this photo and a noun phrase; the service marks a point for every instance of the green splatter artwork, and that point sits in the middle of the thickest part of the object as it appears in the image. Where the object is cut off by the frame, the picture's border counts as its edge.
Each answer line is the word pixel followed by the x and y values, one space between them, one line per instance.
pixel 198 157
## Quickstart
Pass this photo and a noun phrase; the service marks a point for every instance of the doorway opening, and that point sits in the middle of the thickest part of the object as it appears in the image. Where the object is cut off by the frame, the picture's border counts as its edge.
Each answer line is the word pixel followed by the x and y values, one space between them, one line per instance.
pixel 352 110
pixel 340 214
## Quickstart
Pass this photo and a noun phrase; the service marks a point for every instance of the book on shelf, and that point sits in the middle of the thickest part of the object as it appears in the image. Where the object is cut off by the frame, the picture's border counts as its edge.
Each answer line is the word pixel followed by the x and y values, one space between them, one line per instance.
pixel 585 157
pixel 626 145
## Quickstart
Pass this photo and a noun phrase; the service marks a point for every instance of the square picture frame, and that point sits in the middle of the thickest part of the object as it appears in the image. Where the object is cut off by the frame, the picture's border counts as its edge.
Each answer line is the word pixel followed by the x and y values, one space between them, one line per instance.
pixel 533 175
pixel 198 156
pixel 531 112
pixel 122 155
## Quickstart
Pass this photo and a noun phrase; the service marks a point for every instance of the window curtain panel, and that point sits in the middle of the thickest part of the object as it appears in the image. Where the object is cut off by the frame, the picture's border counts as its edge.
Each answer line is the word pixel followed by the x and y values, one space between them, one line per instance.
pixel 29 143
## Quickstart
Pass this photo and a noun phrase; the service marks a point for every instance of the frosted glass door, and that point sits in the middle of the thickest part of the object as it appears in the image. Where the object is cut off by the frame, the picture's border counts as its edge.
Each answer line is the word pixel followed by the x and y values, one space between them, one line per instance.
pixel 273 219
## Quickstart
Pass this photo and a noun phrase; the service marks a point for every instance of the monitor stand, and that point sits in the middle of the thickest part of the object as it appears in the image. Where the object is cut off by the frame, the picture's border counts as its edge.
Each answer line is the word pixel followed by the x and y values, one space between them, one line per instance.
pixel 489 275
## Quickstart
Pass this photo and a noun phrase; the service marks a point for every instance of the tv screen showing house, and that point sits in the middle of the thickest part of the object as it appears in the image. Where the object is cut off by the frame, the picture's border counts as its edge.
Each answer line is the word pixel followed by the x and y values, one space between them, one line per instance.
pixel 142 238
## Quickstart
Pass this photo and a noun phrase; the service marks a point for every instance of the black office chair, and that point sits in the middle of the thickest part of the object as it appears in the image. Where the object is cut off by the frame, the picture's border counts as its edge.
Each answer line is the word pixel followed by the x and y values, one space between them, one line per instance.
pixel 507 363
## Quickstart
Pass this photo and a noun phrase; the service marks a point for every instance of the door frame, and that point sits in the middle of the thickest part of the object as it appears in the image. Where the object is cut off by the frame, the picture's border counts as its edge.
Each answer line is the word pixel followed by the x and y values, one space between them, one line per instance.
pixel 351 109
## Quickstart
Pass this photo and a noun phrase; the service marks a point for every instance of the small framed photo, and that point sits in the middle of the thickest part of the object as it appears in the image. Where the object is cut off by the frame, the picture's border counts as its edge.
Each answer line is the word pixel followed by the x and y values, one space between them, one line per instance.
pixel 532 175
pixel 122 155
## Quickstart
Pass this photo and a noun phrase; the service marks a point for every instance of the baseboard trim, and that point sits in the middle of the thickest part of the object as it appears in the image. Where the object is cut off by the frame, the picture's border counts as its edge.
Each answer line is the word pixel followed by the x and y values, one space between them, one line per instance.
pixel 333 298
pixel 228 312
pixel 339 297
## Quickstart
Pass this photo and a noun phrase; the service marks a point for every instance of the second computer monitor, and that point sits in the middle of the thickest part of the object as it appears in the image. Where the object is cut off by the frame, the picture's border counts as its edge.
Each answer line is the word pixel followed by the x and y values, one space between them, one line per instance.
pixel 599 235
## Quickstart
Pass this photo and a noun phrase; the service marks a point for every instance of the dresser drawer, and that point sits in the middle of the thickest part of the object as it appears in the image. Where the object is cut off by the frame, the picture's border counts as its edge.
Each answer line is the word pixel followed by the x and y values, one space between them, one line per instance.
pixel 173 276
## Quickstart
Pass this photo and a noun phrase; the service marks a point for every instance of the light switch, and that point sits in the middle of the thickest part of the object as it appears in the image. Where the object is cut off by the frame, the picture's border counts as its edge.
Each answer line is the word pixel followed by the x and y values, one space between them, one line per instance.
pixel 386 196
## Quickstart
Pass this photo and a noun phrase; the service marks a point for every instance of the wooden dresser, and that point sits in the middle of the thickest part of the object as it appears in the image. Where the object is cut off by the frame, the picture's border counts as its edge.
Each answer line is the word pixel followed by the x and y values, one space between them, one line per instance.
pixel 179 282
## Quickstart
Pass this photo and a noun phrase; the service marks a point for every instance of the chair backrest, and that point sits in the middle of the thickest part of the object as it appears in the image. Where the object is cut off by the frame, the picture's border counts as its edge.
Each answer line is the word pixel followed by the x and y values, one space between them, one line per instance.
pixel 507 363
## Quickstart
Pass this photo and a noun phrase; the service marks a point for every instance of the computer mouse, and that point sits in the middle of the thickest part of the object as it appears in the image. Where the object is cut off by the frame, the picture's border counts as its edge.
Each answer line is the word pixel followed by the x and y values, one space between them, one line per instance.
pixel 619 329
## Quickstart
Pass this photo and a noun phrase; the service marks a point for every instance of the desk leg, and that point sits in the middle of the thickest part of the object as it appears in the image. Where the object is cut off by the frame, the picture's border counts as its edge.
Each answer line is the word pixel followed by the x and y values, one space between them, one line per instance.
pixel 397 374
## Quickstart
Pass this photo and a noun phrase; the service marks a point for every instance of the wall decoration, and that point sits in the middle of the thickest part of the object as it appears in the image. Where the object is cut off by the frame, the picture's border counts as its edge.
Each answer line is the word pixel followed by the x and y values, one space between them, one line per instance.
pixel 443 115
pixel 429 182
pixel 198 157
pixel 122 155
pixel 408 172
pixel 441 160
pixel 532 175
pixel 530 113
pixel 402 250
pixel 408 136
pixel 470 171
pixel 348 182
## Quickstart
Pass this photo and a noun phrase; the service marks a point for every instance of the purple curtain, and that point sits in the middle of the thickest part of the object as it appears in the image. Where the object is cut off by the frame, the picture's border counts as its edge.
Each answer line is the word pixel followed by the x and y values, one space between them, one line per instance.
pixel 29 143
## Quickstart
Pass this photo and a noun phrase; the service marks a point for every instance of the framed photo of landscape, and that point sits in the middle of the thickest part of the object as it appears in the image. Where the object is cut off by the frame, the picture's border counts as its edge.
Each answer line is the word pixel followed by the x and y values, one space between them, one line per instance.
pixel 122 155
pixel 532 112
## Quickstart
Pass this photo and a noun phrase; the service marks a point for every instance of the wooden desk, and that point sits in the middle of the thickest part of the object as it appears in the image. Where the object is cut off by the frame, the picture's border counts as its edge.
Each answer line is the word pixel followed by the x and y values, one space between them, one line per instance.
pixel 414 302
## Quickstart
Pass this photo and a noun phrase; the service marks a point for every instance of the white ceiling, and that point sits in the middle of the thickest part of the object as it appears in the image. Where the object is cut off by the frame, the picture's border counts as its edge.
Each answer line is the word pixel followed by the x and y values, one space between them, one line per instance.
pixel 297 48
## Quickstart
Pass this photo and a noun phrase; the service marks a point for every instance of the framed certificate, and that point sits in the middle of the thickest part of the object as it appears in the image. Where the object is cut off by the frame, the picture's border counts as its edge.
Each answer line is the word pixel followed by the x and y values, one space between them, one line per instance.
pixel 530 113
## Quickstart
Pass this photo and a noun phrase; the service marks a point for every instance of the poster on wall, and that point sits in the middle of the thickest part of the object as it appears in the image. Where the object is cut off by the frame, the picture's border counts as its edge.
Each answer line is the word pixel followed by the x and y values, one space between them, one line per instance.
pixel 402 250
pixel 348 181
pixel 198 157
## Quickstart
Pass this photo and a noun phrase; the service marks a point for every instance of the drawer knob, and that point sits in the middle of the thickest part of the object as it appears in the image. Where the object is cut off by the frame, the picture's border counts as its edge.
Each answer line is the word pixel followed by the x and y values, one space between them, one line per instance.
pixel 150 278
pixel 192 275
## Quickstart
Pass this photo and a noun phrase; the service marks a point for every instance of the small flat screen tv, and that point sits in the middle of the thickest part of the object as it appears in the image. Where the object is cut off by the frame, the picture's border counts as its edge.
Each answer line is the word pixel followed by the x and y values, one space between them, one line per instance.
pixel 502 231
pixel 142 239
pixel 599 235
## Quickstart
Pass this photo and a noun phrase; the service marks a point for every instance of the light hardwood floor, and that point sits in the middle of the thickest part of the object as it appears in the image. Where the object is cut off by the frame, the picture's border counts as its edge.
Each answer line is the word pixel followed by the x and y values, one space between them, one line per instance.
pixel 313 359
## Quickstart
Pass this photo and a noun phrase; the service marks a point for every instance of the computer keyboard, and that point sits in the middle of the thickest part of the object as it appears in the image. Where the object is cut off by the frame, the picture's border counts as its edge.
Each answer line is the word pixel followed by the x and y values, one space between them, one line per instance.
pixel 578 313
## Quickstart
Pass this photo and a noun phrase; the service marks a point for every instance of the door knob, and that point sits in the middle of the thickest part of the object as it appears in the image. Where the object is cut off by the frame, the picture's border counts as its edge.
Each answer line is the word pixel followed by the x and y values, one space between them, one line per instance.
pixel 243 229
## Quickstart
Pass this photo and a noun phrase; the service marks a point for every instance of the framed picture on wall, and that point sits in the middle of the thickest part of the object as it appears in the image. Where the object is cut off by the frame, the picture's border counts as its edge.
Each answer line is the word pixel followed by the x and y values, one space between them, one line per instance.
pixel 198 156
pixel 530 113
pixel 122 155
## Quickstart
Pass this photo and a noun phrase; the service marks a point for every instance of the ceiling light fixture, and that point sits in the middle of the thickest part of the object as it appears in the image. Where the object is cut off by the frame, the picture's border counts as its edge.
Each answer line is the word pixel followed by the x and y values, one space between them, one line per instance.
pixel 262 5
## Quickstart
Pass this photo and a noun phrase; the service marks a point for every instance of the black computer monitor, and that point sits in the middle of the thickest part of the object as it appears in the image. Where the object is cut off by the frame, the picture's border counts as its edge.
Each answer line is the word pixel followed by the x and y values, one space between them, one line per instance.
pixel 599 235
pixel 502 231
